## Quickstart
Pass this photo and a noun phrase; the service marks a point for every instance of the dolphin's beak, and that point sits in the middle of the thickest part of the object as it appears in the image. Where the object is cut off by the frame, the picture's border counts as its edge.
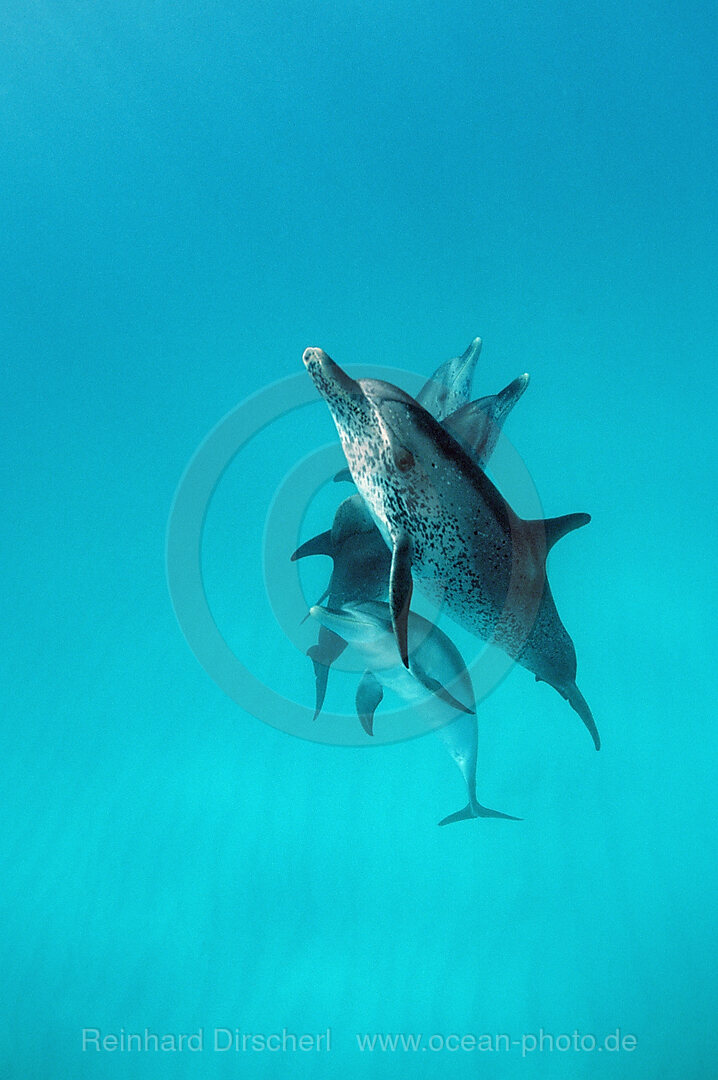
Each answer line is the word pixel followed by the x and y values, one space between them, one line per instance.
pixel 469 358
pixel 507 398
pixel 347 623
pixel 328 377
pixel 313 357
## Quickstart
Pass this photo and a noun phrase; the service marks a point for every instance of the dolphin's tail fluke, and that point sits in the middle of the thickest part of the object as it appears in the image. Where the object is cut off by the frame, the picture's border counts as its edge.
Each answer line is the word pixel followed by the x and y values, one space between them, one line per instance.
pixel 578 702
pixel 474 810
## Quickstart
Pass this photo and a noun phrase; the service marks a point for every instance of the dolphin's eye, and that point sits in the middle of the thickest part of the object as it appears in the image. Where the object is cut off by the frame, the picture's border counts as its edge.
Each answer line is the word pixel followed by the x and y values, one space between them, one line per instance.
pixel 404 461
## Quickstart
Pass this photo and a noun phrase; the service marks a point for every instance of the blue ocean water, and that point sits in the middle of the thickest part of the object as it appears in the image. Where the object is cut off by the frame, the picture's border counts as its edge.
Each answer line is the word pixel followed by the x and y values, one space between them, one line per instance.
pixel 191 196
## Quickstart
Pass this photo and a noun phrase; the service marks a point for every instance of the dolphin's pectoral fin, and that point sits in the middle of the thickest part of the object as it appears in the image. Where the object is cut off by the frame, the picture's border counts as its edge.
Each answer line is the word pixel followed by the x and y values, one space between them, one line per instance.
pixel 318 545
pixel 321 678
pixel 436 688
pixel 322 655
pixel 578 702
pixel 400 590
pixel 344 475
pixel 474 810
pixel 369 694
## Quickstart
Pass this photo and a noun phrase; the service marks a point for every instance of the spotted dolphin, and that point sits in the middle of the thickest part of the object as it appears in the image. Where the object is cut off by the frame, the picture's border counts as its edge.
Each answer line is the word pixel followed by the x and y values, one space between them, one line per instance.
pixel 361 558
pixel 450 528
pixel 433 660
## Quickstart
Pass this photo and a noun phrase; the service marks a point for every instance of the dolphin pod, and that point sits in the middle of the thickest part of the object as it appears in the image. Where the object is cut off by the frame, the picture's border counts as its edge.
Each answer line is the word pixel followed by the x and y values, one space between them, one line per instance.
pixel 450 527
pixel 426 512
pixel 361 568
pixel 360 555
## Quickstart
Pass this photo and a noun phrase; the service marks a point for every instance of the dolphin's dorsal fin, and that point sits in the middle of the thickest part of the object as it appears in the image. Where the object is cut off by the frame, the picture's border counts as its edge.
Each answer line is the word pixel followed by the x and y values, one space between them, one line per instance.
pixel 556 527
pixel 318 545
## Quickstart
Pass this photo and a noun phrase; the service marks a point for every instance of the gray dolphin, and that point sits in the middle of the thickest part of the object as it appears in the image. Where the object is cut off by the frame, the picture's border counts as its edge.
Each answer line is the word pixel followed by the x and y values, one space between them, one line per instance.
pixel 361 558
pixel 450 386
pixel 475 424
pixel 433 660
pixel 449 526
